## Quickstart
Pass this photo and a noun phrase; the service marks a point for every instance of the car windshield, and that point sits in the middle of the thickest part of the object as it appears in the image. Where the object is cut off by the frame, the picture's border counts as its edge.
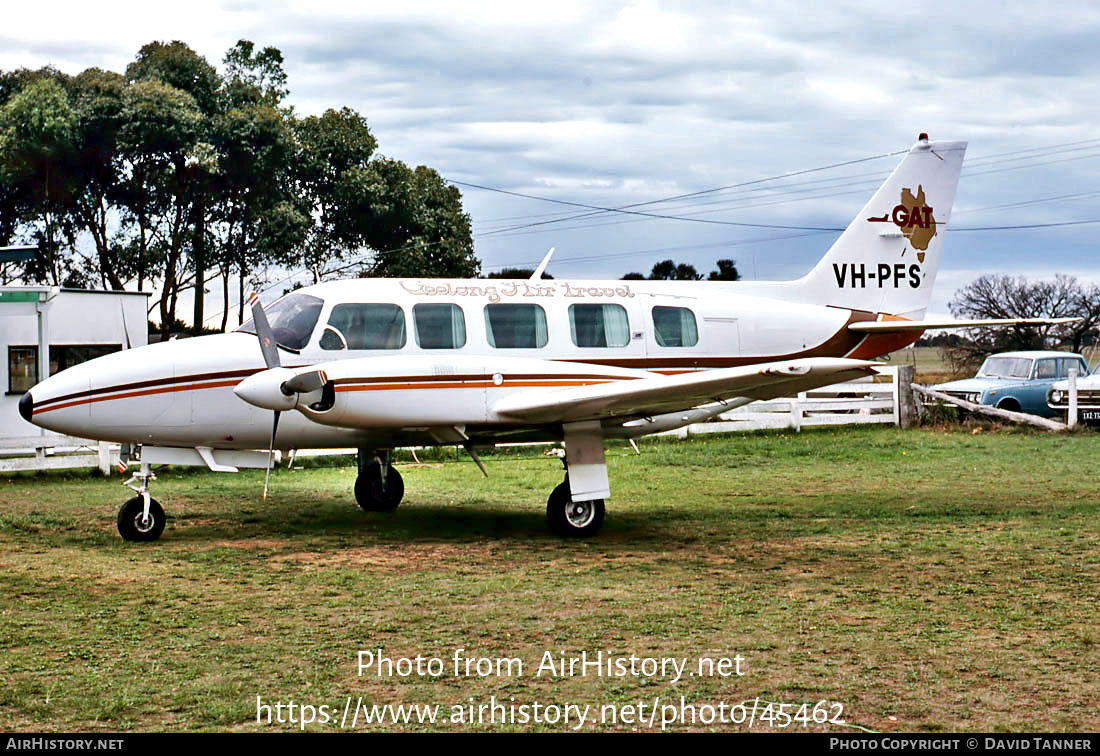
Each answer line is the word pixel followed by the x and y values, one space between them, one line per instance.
pixel 1006 367
pixel 292 320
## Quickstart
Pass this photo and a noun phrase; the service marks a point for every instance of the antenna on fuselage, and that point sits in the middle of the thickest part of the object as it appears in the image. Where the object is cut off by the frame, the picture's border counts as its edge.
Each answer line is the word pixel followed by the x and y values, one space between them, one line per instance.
pixel 542 266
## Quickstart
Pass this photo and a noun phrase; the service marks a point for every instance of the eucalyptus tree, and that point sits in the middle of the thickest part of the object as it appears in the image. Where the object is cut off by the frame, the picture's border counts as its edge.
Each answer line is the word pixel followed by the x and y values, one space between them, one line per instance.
pixel 159 139
pixel 38 134
pixel 171 169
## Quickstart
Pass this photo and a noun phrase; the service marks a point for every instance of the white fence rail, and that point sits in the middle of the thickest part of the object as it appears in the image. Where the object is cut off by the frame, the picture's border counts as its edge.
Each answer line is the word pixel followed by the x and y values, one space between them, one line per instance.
pixel 868 400
pixel 55 452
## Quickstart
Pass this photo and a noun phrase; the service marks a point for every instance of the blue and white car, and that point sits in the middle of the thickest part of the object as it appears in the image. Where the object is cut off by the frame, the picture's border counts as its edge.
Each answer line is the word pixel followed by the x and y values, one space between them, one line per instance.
pixel 1017 381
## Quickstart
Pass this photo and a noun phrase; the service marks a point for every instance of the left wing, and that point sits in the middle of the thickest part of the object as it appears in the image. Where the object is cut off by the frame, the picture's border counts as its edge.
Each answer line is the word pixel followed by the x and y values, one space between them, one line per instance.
pixel 671 393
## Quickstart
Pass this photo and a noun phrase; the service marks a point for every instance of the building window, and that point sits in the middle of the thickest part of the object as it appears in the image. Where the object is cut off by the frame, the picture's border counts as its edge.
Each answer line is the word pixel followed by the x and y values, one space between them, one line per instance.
pixel 365 326
pixel 439 326
pixel 22 368
pixel 599 325
pixel 675 327
pixel 67 355
pixel 515 326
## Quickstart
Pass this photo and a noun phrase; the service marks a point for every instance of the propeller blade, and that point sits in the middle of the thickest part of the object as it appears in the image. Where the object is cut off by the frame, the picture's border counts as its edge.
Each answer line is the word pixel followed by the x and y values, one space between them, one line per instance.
pixel 263 332
pixel 271 453
pixel 303 383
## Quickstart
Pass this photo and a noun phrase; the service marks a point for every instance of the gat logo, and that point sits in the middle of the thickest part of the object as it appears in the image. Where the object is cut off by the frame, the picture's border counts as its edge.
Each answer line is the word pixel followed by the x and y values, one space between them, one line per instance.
pixel 914 217
pixel 856 276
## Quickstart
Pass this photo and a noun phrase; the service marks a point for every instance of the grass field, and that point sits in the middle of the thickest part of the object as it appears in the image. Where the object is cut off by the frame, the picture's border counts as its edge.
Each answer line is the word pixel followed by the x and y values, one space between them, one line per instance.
pixel 929 364
pixel 925 579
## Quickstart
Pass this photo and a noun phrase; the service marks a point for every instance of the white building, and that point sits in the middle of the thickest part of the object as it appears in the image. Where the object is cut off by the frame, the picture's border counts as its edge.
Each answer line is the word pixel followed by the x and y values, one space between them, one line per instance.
pixel 45 329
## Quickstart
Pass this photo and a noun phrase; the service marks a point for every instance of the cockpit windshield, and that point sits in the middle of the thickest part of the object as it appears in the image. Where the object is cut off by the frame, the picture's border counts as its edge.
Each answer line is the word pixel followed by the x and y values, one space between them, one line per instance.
pixel 292 319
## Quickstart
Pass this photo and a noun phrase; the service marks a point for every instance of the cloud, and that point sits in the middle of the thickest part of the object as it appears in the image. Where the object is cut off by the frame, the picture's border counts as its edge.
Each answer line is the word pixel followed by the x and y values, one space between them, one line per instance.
pixel 616 103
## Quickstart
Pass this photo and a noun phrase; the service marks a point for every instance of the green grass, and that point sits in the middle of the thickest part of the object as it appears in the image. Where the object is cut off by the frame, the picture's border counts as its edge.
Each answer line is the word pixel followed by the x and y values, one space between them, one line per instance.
pixel 926 579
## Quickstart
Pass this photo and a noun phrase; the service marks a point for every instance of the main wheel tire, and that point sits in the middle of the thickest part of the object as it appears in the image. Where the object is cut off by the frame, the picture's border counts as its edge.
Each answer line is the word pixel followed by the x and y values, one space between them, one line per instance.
pixel 131 525
pixel 573 519
pixel 370 494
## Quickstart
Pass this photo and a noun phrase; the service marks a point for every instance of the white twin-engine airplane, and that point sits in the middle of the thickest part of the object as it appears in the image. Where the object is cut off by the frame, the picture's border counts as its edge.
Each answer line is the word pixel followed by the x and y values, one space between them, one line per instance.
pixel 379 364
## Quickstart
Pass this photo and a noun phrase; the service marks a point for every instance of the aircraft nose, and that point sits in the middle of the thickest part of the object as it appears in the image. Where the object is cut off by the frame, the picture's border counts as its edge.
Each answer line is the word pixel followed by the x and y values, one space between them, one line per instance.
pixel 26 406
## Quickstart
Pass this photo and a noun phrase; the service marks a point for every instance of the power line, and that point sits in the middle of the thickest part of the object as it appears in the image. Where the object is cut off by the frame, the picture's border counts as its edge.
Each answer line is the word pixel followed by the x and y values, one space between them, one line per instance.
pixel 980 162
pixel 773 192
pixel 633 212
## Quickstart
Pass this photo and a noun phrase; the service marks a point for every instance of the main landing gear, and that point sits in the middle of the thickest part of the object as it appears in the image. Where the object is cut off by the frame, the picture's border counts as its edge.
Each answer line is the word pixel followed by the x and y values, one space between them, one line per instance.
pixel 575 508
pixel 378 487
pixel 142 517
pixel 573 519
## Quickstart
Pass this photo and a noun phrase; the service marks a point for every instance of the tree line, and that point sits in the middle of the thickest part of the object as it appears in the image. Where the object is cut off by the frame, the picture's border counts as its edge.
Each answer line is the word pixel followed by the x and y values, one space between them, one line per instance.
pixel 174 174
pixel 1001 296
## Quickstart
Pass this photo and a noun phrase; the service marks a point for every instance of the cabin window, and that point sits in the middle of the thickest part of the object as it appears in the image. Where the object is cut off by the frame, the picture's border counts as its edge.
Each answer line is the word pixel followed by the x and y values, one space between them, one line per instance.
pixel 439 326
pixel 675 327
pixel 364 326
pixel 22 368
pixel 292 320
pixel 599 325
pixel 515 326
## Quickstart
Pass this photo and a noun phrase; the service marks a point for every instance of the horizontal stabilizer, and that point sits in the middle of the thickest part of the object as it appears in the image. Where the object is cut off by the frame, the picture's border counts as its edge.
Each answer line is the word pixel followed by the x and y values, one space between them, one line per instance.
pixel 901 326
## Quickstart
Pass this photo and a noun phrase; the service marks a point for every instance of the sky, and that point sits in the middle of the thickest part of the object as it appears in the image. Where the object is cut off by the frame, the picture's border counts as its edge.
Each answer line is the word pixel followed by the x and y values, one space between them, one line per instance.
pixel 615 103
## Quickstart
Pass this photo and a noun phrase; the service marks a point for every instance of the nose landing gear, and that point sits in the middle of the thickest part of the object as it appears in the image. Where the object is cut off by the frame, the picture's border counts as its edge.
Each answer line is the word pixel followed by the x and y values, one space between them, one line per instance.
pixel 135 525
pixel 378 487
pixel 141 518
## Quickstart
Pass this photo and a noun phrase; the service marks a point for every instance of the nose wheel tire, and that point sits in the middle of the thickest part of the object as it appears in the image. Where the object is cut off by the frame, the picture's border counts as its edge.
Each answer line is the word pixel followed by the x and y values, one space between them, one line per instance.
pixel 573 519
pixel 132 524
pixel 372 496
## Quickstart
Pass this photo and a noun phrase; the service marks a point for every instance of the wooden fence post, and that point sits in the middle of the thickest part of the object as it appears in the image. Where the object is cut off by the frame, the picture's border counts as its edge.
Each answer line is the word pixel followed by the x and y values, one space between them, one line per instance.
pixel 105 458
pixel 1071 415
pixel 906 405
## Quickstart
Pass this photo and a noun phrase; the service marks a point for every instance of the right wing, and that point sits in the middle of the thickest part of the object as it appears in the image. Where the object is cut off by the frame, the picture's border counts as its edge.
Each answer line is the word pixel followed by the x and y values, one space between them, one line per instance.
pixel 672 393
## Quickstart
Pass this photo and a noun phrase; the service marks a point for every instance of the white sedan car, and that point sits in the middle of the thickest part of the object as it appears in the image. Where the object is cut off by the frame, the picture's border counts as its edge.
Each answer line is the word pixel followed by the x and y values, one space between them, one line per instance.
pixel 1088 398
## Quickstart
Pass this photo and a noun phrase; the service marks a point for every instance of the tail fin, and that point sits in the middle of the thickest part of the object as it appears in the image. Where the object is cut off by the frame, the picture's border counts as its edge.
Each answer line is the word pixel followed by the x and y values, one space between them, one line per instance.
pixel 887 258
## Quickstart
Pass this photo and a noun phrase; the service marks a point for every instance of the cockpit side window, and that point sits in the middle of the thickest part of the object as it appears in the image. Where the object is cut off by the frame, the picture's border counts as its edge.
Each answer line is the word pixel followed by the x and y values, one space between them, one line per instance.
pixel 364 326
pixel 292 320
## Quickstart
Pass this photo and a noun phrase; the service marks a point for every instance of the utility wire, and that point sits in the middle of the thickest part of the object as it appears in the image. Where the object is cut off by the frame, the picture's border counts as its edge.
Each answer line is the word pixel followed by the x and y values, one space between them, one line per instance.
pixel 772 193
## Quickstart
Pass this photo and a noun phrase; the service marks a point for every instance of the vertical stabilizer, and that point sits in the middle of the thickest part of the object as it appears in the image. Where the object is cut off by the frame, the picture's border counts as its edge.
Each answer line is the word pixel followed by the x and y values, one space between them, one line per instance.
pixel 887 258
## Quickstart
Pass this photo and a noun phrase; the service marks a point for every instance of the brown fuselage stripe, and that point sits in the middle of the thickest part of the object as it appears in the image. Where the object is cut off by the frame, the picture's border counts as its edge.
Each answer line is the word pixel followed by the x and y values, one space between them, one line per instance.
pixel 480 377
pixel 468 384
pixel 127 395
pixel 152 382
pixel 409 382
